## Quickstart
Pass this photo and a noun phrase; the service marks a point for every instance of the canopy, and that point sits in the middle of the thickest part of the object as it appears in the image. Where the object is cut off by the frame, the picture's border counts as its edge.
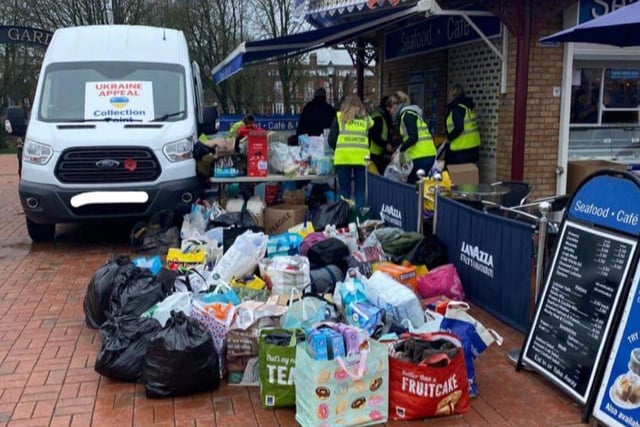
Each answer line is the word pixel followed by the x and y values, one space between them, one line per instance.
pixel 253 52
pixel 618 28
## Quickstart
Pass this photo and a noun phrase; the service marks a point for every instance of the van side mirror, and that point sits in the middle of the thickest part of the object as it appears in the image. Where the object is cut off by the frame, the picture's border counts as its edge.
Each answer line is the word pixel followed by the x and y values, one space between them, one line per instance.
pixel 209 118
pixel 15 123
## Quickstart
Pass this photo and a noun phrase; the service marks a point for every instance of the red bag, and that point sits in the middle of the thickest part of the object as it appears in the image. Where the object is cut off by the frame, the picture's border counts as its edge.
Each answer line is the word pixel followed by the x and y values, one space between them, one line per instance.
pixel 433 383
pixel 443 280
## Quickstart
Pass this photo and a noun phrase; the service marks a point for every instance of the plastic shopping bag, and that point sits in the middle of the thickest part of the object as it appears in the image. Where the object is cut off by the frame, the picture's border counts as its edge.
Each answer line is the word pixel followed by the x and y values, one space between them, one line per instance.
pixel 179 301
pixel 398 300
pixel 399 168
pixel 443 280
pixel 241 259
pixel 284 273
pixel 474 336
pixel 304 312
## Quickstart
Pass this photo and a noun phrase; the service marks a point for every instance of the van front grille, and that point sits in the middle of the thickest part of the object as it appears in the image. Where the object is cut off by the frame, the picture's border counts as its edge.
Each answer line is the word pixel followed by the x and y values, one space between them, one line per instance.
pixel 86 165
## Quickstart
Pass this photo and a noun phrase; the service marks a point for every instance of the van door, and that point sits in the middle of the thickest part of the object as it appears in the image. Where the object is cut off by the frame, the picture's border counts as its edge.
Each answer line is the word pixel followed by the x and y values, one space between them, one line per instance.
pixel 197 83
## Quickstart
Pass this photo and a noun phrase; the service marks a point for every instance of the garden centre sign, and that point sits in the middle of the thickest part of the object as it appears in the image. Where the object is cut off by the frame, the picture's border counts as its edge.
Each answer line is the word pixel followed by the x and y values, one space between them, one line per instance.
pixel 24 35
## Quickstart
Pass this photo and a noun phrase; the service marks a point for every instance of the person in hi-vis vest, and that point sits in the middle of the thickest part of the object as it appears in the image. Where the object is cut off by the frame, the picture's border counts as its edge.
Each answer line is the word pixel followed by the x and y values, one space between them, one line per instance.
pixel 380 136
pixel 417 141
pixel 348 136
pixel 247 121
pixel 462 128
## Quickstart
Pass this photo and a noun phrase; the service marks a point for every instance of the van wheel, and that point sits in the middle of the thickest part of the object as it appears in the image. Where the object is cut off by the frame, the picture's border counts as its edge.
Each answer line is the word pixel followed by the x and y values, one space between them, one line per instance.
pixel 41 232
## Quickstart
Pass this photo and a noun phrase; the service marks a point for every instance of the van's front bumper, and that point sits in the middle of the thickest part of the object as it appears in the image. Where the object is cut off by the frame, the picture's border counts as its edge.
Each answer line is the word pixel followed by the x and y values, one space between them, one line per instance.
pixel 51 204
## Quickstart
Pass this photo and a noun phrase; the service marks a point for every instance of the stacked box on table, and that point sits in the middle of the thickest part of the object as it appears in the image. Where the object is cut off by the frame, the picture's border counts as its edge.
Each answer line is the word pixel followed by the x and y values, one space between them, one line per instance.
pixel 257 153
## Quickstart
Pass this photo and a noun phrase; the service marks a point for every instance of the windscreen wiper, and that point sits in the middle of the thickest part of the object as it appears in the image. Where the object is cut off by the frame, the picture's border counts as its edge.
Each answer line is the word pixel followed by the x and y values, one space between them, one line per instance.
pixel 166 116
pixel 104 119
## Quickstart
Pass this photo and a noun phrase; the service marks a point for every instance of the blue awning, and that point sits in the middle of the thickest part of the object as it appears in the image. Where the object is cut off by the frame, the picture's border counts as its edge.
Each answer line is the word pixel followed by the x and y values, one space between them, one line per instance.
pixel 254 52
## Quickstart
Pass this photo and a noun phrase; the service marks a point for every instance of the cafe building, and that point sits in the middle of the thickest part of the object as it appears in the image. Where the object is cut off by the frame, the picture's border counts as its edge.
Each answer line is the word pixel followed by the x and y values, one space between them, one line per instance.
pixel 539 106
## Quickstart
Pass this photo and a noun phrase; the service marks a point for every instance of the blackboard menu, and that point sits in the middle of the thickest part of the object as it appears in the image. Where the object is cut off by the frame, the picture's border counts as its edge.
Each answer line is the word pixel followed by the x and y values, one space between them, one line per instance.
pixel 575 312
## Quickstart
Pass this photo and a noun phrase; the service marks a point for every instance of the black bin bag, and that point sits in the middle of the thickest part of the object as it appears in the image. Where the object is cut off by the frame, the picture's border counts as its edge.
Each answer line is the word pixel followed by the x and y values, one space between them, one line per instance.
pixel 331 213
pixel 429 251
pixel 157 235
pixel 124 346
pixel 137 294
pixel 180 359
pixel 98 296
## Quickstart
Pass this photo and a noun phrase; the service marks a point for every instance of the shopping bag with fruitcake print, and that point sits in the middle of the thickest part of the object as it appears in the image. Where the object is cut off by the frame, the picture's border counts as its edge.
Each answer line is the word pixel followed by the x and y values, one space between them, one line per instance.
pixel 346 391
pixel 427 377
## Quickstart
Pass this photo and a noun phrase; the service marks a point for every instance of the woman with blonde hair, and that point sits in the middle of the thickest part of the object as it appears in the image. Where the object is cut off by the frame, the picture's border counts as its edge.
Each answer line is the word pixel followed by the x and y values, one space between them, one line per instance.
pixel 417 141
pixel 348 136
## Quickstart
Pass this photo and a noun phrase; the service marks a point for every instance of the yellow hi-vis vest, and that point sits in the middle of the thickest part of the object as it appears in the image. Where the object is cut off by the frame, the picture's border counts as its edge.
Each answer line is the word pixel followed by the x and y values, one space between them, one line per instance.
pixel 352 145
pixel 233 130
pixel 373 147
pixel 470 137
pixel 424 147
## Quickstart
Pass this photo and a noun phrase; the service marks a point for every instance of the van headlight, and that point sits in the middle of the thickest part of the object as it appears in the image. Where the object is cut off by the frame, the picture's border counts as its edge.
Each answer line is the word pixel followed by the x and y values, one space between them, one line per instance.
pixel 36 153
pixel 179 150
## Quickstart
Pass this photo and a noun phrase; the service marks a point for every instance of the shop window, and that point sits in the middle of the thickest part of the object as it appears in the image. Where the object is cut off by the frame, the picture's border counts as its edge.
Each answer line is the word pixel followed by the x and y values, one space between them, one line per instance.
pixel 585 96
pixel 605 113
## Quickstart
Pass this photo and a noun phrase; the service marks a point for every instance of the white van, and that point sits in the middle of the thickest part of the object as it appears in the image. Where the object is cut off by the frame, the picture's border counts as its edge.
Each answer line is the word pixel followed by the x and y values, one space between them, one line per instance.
pixel 115 117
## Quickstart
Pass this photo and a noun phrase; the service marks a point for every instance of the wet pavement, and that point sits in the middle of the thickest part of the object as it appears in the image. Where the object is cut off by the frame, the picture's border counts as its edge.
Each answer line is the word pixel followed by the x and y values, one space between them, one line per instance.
pixel 47 354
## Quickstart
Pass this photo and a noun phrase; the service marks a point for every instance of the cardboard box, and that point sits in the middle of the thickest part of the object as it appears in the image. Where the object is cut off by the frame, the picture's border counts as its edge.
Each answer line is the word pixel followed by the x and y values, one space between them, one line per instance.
pixel 294 197
pixel 257 154
pixel 405 275
pixel 280 218
pixel 465 173
pixel 578 170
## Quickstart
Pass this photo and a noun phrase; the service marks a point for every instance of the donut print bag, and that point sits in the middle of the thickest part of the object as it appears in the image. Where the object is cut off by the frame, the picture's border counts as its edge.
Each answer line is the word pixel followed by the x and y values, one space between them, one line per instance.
pixel 346 391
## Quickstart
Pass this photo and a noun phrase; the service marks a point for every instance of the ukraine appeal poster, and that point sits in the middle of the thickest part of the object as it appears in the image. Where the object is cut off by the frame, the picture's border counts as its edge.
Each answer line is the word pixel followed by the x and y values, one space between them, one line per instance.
pixel 618 400
pixel 119 101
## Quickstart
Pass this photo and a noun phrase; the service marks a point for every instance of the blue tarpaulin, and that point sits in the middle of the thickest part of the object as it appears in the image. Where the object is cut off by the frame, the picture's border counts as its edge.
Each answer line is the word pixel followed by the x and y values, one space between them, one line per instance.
pixel 394 202
pixel 493 256
pixel 253 52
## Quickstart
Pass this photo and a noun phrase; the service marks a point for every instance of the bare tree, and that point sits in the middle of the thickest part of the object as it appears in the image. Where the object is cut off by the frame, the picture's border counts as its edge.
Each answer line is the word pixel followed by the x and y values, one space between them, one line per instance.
pixel 67 13
pixel 213 29
pixel 274 18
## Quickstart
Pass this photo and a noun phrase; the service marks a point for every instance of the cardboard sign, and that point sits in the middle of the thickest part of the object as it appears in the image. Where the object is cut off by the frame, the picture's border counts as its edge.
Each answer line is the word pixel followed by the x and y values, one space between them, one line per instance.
pixel 119 101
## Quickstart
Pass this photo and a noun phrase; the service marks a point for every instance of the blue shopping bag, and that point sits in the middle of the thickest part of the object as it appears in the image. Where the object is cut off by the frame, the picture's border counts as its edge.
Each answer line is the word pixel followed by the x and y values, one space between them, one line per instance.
pixel 287 244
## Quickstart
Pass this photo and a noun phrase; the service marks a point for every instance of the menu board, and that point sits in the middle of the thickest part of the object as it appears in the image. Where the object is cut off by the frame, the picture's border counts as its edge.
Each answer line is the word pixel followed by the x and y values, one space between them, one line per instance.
pixel 581 294
pixel 618 400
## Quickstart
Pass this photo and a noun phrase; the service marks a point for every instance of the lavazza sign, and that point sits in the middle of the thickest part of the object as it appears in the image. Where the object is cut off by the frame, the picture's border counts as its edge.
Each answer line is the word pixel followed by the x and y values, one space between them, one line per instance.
pixel 475 258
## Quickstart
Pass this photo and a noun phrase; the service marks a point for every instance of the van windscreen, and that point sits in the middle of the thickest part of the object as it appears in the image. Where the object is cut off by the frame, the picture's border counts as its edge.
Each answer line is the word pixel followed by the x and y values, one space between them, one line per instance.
pixel 113 91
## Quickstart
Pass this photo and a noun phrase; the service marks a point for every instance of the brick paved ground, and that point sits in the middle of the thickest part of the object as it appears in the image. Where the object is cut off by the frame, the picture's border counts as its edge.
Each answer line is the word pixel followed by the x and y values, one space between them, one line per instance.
pixel 47 354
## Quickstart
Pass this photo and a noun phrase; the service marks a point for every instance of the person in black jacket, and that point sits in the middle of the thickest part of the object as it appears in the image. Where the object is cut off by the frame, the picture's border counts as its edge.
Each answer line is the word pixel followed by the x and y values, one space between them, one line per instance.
pixel 316 115
pixel 380 136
